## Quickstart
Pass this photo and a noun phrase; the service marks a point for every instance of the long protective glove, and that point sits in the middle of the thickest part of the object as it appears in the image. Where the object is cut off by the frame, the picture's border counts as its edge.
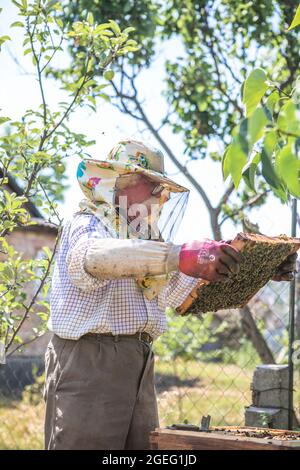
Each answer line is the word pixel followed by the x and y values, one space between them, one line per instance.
pixel 113 258
pixel 209 259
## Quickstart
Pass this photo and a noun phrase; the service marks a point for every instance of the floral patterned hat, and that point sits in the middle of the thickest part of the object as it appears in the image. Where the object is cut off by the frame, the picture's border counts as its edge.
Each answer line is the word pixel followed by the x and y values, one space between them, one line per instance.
pixel 97 177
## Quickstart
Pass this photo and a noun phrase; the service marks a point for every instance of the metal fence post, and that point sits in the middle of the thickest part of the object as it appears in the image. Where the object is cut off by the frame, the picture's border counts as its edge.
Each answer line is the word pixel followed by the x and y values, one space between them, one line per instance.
pixel 292 327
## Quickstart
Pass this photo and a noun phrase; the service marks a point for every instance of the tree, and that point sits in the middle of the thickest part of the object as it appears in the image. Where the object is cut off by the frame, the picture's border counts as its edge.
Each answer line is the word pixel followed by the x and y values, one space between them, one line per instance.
pixel 269 135
pixel 34 148
pixel 223 41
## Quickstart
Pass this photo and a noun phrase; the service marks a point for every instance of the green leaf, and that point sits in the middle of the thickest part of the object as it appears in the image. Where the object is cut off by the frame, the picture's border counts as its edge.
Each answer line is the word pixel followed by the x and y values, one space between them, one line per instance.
pixel 104 96
pixel 270 142
pixel 254 89
pixel 281 193
pixel 17 24
pixel 4 38
pixel 4 119
pixel 242 135
pixel 100 87
pixel 272 100
pixel 268 171
pixel 101 27
pixel 249 171
pixel 234 162
pixel 17 4
pixel 256 125
pixel 126 49
pixel 288 167
pixel 47 252
pixel 288 121
pixel 92 100
pixel 53 4
pixel 115 27
pixel 90 18
pixel 225 169
pixel 131 42
pixel 8 272
pixel 128 30
pixel 296 20
pixel 59 22
pixel 90 83
pixel 106 32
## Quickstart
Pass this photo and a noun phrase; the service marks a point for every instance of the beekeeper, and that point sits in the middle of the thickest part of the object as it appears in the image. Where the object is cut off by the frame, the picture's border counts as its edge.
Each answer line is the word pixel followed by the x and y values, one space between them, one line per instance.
pixel 116 271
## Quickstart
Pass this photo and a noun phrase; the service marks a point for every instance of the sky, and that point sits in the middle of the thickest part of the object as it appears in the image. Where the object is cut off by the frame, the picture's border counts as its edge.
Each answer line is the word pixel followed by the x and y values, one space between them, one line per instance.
pixel 19 91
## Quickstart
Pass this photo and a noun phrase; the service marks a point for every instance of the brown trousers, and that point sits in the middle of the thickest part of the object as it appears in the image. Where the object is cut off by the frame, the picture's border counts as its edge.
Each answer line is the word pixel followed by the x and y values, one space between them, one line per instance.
pixel 99 393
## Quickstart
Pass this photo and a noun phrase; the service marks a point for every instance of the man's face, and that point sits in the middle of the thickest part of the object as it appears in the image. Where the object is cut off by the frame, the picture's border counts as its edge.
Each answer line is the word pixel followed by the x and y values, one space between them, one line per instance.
pixel 136 189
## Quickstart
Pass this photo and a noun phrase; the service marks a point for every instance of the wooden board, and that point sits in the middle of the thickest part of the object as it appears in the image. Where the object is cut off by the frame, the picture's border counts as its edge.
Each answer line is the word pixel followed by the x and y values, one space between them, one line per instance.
pixel 261 257
pixel 167 439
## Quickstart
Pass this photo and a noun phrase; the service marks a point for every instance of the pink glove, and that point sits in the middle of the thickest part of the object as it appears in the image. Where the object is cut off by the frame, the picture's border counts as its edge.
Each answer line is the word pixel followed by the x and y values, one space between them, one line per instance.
pixel 209 259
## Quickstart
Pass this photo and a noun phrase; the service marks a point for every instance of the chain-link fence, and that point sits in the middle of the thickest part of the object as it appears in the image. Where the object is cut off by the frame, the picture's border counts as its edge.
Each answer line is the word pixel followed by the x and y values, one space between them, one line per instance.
pixel 204 365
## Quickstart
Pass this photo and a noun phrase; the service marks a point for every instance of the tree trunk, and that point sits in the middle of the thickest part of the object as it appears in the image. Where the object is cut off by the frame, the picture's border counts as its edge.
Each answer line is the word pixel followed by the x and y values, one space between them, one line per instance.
pixel 254 335
pixel 216 229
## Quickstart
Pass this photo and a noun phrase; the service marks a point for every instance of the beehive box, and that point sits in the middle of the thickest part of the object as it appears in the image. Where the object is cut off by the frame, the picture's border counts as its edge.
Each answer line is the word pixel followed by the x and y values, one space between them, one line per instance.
pixel 261 256
pixel 225 438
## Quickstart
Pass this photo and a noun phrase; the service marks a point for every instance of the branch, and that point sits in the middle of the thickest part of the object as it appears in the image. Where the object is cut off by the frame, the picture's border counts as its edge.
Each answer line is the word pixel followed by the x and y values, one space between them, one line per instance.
pixel 125 108
pixel 210 44
pixel 288 134
pixel 50 203
pixel 165 119
pixel 52 55
pixel 145 119
pixel 68 109
pixel 249 203
pixel 21 67
pixel 86 77
pixel 224 198
pixel 37 59
pixel 25 343
pixel 216 40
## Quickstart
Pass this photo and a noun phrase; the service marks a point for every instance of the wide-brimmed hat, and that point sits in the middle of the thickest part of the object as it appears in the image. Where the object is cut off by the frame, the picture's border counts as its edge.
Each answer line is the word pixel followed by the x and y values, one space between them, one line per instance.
pixel 97 177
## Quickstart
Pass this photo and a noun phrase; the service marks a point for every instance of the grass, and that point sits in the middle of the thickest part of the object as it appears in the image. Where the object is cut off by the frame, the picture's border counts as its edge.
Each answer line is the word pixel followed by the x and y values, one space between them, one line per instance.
pixel 21 425
pixel 219 390
pixel 185 392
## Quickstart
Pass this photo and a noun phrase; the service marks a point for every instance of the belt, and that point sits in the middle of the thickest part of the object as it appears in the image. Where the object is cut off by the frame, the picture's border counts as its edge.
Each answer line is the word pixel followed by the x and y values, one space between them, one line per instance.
pixel 141 335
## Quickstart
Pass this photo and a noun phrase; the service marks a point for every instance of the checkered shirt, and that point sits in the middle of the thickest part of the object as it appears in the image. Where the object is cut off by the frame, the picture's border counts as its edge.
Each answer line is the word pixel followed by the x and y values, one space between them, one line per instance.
pixel 81 303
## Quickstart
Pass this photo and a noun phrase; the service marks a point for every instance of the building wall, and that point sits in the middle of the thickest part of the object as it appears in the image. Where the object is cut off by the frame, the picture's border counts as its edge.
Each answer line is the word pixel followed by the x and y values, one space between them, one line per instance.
pixel 29 243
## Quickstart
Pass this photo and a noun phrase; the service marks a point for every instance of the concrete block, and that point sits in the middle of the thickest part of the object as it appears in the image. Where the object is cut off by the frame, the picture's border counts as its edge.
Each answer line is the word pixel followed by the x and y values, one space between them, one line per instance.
pixel 270 386
pixel 275 418
pixel 270 376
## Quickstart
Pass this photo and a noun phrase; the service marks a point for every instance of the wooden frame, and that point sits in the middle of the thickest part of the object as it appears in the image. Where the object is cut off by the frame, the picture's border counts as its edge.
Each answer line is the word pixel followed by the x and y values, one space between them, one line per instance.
pixel 261 256
pixel 217 439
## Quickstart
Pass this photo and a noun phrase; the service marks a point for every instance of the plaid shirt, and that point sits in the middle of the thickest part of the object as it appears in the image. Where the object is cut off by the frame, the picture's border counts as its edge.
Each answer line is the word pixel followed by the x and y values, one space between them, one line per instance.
pixel 81 303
